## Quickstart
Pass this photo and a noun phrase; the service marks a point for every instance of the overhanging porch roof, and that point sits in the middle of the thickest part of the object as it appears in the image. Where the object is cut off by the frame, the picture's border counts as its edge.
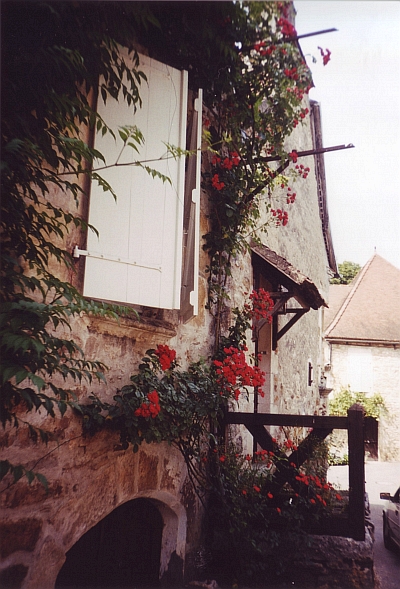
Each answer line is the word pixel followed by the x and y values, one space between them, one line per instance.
pixel 282 272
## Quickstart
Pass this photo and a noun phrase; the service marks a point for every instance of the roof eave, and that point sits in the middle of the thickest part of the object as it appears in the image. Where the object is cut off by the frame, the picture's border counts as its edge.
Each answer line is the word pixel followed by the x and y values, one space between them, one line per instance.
pixel 306 291
pixel 362 341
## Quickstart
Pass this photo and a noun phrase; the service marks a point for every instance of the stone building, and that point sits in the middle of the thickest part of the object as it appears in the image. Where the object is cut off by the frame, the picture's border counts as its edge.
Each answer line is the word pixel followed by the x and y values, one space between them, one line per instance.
pixel 362 335
pixel 150 256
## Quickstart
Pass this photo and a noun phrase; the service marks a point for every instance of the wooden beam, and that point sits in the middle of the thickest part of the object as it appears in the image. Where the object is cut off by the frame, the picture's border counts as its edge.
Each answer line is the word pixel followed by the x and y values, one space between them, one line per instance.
pixel 356 472
pixel 314 421
pixel 297 314
pixel 276 158
pixel 261 436
pixel 321 426
pixel 284 472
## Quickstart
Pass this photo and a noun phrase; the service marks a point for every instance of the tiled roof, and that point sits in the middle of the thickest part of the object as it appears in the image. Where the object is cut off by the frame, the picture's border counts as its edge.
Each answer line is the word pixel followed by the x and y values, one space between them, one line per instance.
pixel 337 295
pixel 367 310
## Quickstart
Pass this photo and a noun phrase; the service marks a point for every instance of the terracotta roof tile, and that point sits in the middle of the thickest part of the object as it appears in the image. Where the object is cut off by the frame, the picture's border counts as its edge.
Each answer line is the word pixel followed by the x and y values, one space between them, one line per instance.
pixel 337 296
pixel 371 310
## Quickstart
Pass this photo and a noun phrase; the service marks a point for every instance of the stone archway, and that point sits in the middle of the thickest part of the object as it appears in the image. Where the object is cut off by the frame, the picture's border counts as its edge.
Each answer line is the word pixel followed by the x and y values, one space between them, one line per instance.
pixel 122 551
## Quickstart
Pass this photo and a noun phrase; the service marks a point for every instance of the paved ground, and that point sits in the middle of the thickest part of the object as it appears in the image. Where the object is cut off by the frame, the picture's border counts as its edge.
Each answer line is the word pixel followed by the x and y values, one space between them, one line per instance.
pixel 379 477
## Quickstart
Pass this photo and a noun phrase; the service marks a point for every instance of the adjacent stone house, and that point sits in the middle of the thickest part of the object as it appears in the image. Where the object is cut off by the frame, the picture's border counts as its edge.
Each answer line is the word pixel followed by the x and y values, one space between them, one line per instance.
pixel 362 350
pixel 149 255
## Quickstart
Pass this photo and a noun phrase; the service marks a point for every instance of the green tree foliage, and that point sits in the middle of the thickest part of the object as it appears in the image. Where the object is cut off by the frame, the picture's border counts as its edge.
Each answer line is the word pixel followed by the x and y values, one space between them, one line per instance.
pixel 374 405
pixel 347 271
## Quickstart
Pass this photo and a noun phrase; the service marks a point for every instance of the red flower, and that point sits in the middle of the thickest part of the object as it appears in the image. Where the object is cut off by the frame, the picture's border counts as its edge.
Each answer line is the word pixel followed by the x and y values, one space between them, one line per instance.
pixel 325 56
pixel 166 356
pixel 153 397
pixel 287 29
pixel 269 495
pixel 293 155
pixel 234 372
pixel 262 304
pixel 278 509
pixel 154 410
pixel 291 73
pixel 259 45
pixel 216 183
pixel 290 197
pixel 143 410
pixel 257 489
pixel 222 458
pixel 282 217
pixel 227 164
pixel 150 409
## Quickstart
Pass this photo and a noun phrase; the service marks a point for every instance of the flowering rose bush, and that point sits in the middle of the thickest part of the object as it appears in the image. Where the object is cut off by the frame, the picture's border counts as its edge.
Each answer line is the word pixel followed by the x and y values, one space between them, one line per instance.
pixel 164 403
pixel 261 305
pixel 234 373
pixel 254 114
pixel 253 525
pixel 253 517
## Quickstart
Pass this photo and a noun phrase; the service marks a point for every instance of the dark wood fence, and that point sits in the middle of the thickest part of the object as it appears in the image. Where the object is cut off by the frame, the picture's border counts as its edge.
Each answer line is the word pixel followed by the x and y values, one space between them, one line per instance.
pixel 352 524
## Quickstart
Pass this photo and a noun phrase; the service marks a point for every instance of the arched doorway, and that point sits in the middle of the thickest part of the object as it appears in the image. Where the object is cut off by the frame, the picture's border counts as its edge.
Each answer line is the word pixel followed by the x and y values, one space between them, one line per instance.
pixel 122 551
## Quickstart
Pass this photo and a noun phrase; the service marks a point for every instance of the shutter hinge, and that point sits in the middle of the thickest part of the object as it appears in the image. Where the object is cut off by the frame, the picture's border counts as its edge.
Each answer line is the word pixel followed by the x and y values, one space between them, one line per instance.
pixel 77 253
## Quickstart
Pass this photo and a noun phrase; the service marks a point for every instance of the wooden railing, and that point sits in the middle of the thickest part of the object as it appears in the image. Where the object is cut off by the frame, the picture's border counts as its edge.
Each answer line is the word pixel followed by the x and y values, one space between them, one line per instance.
pixel 353 525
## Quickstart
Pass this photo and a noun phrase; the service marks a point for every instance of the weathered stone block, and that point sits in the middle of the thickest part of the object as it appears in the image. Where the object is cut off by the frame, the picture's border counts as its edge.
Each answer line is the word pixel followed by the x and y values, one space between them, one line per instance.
pixel 20 535
pixel 12 577
pixel 148 472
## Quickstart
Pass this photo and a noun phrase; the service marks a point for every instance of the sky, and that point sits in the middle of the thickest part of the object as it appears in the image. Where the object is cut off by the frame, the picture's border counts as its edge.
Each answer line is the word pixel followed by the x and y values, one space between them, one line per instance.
pixel 359 94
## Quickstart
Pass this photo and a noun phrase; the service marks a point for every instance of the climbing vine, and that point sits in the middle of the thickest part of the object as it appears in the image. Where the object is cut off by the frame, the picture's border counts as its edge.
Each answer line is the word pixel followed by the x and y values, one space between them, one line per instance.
pixel 247 131
pixel 247 59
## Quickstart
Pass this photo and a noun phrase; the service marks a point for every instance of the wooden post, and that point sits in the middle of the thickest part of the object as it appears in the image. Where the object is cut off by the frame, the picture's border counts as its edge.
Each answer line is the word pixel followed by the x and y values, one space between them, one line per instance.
pixel 356 472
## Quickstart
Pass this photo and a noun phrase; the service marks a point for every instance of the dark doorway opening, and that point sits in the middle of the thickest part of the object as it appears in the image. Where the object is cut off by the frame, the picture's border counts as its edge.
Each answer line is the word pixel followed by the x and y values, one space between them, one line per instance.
pixel 371 437
pixel 122 551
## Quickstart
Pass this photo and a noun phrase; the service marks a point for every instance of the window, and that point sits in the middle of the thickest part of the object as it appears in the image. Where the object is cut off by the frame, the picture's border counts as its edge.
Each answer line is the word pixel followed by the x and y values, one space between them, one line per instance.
pixel 138 256
pixel 310 373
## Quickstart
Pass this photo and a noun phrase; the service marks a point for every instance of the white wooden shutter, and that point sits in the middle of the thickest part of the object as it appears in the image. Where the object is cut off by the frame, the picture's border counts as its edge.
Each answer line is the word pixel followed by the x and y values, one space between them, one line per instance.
pixel 138 256
pixel 191 223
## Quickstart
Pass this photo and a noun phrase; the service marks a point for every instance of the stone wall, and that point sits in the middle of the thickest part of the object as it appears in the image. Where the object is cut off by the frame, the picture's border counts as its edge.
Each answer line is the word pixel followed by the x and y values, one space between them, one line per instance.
pixel 89 478
pixel 384 371
pixel 301 243
pixel 331 562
